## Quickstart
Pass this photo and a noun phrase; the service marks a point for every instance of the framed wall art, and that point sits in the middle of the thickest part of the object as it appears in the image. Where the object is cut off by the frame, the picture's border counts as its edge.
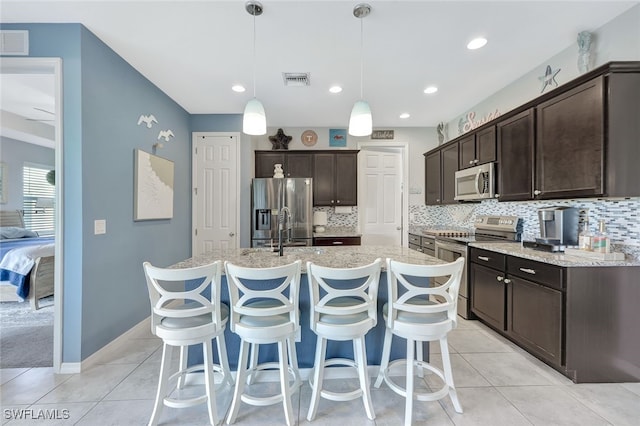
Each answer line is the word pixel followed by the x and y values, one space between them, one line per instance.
pixel 337 137
pixel 153 187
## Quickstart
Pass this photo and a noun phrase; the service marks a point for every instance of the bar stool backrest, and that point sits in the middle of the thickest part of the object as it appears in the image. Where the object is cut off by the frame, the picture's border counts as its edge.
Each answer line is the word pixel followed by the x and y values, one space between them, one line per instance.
pixel 330 287
pixel 167 286
pixel 409 291
pixel 270 291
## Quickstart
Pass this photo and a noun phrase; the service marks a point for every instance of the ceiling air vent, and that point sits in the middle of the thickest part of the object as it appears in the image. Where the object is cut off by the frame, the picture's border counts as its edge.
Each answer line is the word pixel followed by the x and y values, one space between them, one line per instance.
pixel 297 79
pixel 14 42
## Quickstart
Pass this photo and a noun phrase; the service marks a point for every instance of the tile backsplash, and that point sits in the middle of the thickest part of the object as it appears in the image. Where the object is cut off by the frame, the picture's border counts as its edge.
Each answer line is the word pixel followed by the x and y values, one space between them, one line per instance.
pixel 622 217
pixel 340 219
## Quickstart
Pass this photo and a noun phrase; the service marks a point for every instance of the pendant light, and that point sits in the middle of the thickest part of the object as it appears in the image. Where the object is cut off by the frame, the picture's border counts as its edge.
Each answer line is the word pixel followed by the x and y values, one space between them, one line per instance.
pixel 361 122
pixel 254 120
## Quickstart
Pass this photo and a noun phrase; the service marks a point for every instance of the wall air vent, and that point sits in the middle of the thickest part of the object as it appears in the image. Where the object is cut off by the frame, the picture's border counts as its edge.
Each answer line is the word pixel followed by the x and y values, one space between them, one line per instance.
pixel 296 79
pixel 14 42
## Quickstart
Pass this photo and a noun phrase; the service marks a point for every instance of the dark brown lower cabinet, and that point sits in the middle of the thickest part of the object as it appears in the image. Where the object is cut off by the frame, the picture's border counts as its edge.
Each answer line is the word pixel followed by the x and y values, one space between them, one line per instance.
pixel 534 318
pixel 488 300
pixel 581 320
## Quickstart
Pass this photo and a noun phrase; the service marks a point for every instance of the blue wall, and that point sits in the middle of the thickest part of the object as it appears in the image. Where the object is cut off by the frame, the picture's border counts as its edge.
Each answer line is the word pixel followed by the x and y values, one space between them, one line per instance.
pixel 103 96
pixel 15 154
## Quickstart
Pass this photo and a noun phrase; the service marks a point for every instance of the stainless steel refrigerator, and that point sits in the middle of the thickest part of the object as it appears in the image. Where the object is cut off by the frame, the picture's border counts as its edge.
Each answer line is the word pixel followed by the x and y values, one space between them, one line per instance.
pixel 268 198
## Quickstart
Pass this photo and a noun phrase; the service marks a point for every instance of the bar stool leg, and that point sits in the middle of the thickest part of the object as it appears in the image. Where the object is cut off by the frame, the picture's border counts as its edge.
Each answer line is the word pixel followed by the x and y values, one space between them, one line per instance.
pixel 420 356
pixel 209 382
pixel 448 374
pixel 360 356
pixel 386 354
pixel 241 379
pixel 284 382
pixel 184 351
pixel 318 377
pixel 408 407
pixel 167 352
pixel 255 353
pixel 224 361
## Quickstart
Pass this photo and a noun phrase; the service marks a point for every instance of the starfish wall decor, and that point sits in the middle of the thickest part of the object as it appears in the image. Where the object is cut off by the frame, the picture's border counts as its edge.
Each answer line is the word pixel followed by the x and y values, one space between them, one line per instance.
pixel 549 78
pixel 280 140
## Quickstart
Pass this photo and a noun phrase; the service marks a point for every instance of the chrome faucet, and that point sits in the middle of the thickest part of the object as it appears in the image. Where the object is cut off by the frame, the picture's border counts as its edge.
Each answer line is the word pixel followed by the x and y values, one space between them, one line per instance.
pixel 281 222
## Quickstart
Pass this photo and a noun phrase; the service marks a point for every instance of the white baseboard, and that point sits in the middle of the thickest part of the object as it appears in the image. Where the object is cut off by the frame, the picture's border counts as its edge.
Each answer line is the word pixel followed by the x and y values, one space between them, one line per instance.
pixel 114 346
pixel 70 368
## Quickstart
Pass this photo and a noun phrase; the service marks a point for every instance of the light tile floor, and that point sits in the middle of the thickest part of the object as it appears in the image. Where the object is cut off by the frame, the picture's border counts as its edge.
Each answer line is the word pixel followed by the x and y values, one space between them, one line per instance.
pixel 498 384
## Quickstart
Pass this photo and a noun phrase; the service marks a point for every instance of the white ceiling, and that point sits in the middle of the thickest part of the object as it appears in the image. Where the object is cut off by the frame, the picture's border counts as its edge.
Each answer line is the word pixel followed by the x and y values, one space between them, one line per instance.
pixel 196 50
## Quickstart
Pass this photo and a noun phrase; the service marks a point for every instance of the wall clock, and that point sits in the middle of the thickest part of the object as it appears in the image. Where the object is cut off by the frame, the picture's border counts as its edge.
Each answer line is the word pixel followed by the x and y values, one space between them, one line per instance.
pixel 309 138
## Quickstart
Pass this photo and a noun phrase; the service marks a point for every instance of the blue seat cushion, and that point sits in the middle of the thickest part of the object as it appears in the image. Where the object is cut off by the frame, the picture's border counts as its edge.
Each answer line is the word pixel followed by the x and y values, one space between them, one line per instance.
pixel 196 321
pixel 416 317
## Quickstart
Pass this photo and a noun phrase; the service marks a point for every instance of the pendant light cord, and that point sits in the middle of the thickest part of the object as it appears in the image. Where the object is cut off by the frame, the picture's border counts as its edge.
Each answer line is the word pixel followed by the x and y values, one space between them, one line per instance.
pixel 361 59
pixel 254 52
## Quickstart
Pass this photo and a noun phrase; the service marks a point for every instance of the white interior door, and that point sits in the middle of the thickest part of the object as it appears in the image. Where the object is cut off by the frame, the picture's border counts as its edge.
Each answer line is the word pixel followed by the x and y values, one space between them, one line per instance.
pixel 215 192
pixel 380 205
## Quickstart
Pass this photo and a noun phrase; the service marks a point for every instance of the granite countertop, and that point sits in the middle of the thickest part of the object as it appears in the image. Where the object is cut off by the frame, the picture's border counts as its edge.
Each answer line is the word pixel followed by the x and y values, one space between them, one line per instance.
pixel 336 257
pixel 338 232
pixel 559 259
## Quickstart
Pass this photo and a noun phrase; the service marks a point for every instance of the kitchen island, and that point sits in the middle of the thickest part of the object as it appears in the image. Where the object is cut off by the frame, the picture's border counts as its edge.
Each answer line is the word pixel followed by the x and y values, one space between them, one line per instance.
pixel 337 257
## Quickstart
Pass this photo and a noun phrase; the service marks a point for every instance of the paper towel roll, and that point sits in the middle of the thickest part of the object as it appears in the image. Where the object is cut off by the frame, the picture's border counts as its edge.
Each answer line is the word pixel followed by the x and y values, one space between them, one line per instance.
pixel 343 209
pixel 320 218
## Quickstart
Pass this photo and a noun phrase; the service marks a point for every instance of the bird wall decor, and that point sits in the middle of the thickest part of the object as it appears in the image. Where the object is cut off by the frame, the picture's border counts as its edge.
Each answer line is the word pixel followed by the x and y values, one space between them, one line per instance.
pixel 166 134
pixel 147 119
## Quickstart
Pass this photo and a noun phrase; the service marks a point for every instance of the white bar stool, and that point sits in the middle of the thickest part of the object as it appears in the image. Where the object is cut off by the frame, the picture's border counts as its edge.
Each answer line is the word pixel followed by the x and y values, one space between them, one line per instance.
pixel 342 310
pixel 262 313
pixel 420 313
pixel 186 317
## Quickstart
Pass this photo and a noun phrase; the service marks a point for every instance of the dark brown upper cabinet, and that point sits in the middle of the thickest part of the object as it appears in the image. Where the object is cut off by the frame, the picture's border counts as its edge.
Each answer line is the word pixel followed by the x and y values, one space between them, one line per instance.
pixel 570 143
pixel 335 178
pixel 294 164
pixel 433 178
pixel 515 157
pixel 478 148
pixel 440 169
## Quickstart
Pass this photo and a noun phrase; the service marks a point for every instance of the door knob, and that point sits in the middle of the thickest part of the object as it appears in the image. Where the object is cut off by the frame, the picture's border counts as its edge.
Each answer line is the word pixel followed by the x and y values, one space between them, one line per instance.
pixel 398 228
pixel 231 234
pixel 537 192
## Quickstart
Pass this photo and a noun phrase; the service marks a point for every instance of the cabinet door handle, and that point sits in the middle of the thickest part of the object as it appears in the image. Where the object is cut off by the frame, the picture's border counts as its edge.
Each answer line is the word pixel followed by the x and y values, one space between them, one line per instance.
pixel 507 280
pixel 438 199
pixel 470 161
pixel 537 192
pixel 331 201
pixel 499 278
pixel 338 202
pixel 528 271
pixel 337 243
pixel 475 161
pixel 485 258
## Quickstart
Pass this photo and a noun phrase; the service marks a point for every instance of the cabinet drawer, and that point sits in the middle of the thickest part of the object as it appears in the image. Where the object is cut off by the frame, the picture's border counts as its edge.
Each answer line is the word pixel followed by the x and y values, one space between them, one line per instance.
pixel 415 247
pixel 338 241
pixel 488 258
pixel 428 243
pixel 541 273
pixel 414 239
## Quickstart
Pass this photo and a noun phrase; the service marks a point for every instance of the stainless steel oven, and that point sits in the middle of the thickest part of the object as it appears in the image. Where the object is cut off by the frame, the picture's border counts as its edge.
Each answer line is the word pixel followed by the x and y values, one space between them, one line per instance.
pixel 449 251
pixel 451 244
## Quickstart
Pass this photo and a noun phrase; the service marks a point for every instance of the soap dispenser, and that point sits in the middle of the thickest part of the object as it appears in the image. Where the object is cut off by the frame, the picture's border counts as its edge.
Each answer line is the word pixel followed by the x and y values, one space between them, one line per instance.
pixel 601 243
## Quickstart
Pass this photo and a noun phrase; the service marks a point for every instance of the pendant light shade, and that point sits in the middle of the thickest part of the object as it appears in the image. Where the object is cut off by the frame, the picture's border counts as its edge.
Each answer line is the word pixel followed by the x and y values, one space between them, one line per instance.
pixel 361 121
pixel 254 120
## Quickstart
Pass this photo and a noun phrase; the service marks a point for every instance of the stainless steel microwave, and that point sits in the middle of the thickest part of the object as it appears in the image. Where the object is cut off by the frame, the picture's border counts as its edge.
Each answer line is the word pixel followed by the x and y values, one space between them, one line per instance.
pixel 475 183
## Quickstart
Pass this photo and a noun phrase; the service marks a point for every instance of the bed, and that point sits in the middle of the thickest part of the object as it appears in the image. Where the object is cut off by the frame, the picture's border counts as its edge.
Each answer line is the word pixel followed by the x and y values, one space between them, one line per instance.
pixel 26 262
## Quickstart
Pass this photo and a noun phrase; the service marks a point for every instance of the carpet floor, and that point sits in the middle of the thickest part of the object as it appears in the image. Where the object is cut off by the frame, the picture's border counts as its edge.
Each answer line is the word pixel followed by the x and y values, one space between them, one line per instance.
pixel 26 336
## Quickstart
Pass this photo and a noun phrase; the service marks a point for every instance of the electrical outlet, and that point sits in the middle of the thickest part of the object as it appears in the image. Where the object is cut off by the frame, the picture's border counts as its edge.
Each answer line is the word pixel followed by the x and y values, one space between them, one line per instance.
pixel 583 215
pixel 99 227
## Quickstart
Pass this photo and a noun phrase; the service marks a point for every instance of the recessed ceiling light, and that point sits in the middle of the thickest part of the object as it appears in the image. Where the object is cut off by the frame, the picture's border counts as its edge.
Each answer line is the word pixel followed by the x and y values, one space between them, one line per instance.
pixel 476 43
pixel 405 115
pixel 335 89
pixel 238 88
pixel 431 89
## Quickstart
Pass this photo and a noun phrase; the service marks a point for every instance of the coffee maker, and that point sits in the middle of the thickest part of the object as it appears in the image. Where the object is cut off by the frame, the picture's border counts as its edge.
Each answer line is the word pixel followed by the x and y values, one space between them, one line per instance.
pixel 558 229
